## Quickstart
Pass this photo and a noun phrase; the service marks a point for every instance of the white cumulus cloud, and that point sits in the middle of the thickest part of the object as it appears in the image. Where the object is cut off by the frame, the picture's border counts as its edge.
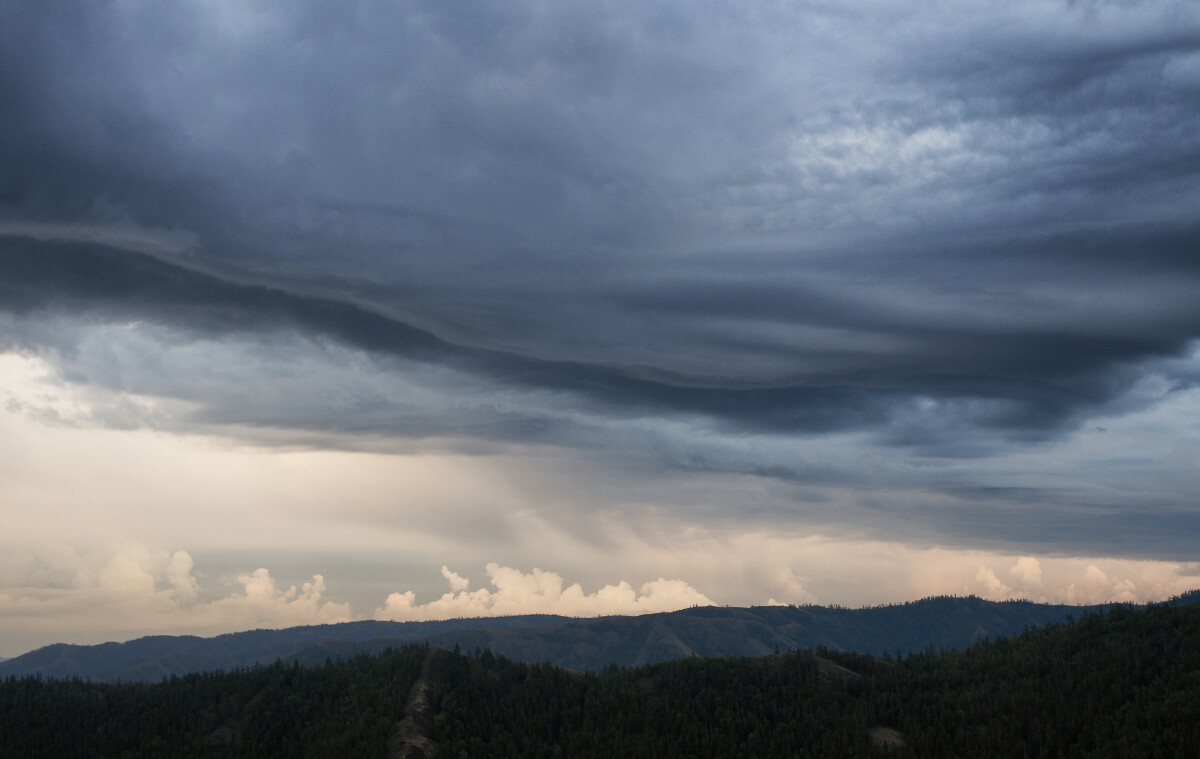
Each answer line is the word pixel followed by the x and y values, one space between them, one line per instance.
pixel 261 602
pixel 457 582
pixel 138 590
pixel 540 592
pixel 1096 586
pixel 1029 571
pixel 995 589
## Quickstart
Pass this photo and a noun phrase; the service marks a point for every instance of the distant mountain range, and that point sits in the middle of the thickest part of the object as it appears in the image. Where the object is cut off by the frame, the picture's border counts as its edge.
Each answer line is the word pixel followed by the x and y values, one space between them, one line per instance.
pixel 942 623
pixel 157 656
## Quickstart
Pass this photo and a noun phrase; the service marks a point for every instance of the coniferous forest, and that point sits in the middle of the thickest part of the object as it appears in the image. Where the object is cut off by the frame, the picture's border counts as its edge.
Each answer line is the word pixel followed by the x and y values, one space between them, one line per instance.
pixel 1123 683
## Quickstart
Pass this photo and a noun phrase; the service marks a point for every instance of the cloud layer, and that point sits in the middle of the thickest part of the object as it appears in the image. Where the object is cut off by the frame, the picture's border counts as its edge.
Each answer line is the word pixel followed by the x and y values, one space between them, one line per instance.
pixel 539 592
pixel 59 592
pixel 922 273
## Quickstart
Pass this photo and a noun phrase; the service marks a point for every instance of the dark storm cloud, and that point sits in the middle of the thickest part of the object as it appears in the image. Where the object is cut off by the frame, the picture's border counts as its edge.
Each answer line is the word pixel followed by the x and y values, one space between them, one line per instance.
pixel 1018 383
pixel 956 229
pixel 40 279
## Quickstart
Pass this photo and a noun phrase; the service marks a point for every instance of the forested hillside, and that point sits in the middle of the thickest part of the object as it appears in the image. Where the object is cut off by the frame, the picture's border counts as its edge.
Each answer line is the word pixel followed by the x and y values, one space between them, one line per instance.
pixel 588 645
pixel 582 644
pixel 1124 683
pixel 154 657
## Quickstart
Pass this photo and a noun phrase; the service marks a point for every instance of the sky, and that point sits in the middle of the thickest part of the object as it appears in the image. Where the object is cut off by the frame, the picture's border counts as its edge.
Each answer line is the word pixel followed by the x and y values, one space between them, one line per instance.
pixel 408 310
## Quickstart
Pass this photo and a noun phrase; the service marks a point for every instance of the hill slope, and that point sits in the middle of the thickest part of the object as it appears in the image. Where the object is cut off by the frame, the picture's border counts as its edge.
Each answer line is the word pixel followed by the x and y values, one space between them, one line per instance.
pixel 1123 683
pixel 581 644
pixel 589 645
pixel 155 657
pixel 586 645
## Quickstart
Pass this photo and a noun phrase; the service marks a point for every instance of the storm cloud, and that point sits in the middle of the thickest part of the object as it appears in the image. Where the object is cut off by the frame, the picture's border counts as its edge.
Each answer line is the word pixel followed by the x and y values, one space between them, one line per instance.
pixel 924 271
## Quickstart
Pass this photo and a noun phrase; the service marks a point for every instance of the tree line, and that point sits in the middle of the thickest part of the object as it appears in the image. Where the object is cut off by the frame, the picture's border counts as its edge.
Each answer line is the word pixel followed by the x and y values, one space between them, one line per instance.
pixel 1122 683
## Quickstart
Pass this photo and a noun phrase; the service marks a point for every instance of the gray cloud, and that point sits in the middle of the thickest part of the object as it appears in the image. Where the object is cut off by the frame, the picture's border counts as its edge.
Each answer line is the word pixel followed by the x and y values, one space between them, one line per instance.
pixel 958 232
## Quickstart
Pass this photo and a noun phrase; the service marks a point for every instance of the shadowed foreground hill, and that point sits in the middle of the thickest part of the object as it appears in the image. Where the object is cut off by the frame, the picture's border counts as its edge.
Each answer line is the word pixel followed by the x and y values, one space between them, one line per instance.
pixel 1125 683
pixel 582 644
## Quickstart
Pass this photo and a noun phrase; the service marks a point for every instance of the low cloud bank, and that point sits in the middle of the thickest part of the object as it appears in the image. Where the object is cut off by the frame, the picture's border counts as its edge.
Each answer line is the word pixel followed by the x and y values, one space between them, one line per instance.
pixel 539 592
pixel 62 593
pixel 262 601
pixel 57 592
pixel 1093 586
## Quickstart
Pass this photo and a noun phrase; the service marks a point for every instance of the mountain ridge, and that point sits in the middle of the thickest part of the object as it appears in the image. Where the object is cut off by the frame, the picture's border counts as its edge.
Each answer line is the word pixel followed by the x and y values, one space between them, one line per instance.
pixel 153 657
pixel 1124 682
pixel 584 644
pixel 938 622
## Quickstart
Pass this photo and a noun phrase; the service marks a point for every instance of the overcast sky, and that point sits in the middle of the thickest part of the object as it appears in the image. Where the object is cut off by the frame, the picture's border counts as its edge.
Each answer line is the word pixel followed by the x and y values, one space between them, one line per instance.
pixel 407 310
